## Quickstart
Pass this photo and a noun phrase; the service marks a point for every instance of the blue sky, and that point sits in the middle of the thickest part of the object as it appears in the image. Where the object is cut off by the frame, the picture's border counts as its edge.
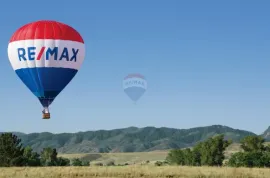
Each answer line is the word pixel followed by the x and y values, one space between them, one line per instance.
pixel 206 62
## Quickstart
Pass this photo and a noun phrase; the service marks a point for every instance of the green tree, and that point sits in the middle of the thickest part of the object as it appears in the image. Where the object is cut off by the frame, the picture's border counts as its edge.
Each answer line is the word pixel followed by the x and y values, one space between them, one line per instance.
pixel 31 158
pixel 212 151
pixel 255 153
pixel 85 163
pixel 76 162
pixel 267 148
pixel 253 159
pixel 253 143
pixel 237 160
pixel 176 156
pixel 209 152
pixel 11 150
pixel 188 157
pixel 63 161
pixel 266 159
pixel 250 159
pixel 48 157
pixel 196 155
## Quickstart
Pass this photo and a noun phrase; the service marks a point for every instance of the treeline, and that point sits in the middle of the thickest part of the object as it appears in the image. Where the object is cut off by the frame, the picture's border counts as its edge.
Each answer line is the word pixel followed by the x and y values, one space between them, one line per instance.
pixel 12 153
pixel 254 153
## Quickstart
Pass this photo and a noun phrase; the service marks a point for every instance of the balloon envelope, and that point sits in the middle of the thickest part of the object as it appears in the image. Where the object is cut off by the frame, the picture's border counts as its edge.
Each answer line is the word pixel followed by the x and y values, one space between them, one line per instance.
pixel 134 86
pixel 46 55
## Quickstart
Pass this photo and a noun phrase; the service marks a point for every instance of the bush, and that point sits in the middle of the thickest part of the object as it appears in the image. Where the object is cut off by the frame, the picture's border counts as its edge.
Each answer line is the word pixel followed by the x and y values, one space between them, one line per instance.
pixel 48 157
pixel 208 153
pixel 158 163
pixel 250 159
pixel 86 163
pixel 76 162
pixel 110 163
pixel 98 164
pixel 255 153
pixel 63 161
pixel 31 158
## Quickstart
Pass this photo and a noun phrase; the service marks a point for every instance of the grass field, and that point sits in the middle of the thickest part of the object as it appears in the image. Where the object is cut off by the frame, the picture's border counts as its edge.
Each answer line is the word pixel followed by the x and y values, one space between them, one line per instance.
pixel 135 168
pixel 134 172
pixel 120 158
pixel 135 157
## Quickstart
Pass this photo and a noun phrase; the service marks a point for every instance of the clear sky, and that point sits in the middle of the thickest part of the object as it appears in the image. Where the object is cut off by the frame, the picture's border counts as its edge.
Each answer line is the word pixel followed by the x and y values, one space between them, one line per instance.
pixel 206 62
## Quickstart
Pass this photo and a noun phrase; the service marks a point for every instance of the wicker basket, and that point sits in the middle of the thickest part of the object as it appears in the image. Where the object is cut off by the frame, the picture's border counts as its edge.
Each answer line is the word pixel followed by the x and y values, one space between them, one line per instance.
pixel 46 115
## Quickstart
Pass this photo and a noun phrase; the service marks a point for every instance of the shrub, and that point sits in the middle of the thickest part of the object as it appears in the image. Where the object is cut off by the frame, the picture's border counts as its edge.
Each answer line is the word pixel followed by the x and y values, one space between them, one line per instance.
pixel 158 163
pixel 76 162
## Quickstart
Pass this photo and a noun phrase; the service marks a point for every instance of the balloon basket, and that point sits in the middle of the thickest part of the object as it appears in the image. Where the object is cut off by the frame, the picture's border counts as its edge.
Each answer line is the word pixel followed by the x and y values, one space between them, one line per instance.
pixel 46 116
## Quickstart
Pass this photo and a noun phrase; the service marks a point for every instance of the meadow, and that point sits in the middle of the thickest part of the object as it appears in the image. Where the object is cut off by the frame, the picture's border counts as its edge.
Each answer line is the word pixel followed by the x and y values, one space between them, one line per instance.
pixel 134 172
pixel 134 158
pixel 135 164
pixel 120 158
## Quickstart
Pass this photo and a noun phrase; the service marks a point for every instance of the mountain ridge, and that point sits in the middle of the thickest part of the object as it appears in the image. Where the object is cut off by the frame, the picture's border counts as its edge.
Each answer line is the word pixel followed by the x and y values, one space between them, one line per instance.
pixel 266 134
pixel 130 139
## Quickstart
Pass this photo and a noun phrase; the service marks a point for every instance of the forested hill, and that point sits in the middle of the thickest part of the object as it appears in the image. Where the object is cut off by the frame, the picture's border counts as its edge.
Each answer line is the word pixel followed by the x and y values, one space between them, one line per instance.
pixel 131 139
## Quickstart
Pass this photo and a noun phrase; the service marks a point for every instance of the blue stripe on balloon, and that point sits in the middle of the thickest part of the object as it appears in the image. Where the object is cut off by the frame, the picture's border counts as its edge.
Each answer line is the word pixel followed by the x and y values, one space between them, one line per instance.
pixel 46 82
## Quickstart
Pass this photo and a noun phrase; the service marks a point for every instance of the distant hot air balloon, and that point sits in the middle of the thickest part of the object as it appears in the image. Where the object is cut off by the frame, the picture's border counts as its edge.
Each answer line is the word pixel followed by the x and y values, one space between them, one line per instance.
pixel 134 86
pixel 46 55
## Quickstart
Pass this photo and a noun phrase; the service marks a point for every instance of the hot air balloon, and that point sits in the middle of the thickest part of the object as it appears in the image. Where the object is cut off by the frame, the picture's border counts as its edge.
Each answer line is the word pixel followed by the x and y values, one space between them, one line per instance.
pixel 134 86
pixel 46 55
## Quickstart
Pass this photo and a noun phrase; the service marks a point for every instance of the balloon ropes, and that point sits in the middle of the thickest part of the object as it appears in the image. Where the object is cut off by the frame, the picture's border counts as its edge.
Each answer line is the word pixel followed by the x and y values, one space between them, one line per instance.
pixel 134 86
pixel 46 55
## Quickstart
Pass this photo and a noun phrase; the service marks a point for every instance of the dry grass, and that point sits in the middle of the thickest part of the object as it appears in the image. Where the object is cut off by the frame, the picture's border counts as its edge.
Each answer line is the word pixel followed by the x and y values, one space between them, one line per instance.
pixel 137 157
pixel 120 158
pixel 134 172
